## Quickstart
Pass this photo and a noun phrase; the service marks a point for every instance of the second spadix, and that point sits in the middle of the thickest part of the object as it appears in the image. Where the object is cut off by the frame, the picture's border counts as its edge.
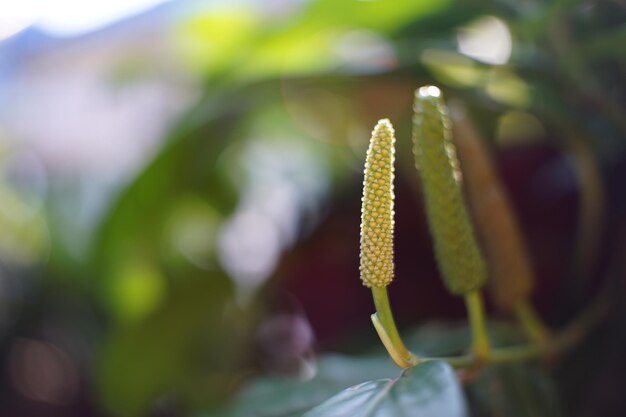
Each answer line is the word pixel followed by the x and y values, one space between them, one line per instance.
pixel 459 258
pixel 460 261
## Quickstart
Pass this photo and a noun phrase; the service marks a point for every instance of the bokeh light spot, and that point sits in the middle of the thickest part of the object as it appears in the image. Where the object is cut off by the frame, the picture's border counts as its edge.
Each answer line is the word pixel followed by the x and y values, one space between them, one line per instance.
pixel 138 289
pixel 42 372
pixel 487 40
pixel 516 127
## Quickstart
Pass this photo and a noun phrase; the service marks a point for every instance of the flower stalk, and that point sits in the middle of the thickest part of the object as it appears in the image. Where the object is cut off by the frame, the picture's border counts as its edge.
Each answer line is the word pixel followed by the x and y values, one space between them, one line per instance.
pixel 480 338
pixel 377 226
pixel 386 328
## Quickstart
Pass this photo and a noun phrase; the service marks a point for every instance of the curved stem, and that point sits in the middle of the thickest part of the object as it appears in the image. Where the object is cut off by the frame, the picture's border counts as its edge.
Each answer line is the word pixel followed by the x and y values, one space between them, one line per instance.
pixel 480 338
pixel 557 343
pixel 387 331
pixel 531 323
pixel 553 344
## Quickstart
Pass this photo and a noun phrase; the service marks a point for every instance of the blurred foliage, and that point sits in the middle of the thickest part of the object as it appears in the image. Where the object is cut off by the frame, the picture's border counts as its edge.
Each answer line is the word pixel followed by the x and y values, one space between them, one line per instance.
pixel 165 325
pixel 431 387
pixel 520 389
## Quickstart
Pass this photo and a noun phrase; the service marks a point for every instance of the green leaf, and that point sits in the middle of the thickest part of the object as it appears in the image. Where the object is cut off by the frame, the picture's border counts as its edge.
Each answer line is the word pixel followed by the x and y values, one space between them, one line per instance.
pixel 135 231
pixel 279 396
pixel 382 16
pixel 141 362
pixel 430 389
pixel 516 390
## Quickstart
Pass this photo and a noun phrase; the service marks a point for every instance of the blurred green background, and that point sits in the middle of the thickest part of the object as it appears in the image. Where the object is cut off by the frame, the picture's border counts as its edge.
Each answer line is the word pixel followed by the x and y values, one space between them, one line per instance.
pixel 180 195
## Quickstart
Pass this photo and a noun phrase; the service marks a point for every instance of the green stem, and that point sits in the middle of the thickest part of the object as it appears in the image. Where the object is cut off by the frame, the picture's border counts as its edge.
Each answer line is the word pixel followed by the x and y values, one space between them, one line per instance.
pixel 387 331
pixel 457 362
pixel 555 344
pixel 480 337
pixel 498 355
pixel 531 323
pixel 517 353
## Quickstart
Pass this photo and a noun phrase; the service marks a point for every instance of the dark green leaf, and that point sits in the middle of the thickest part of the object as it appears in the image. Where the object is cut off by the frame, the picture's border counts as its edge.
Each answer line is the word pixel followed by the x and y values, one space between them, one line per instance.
pixel 430 389
pixel 517 390
pixel 142 362
pixel 275 396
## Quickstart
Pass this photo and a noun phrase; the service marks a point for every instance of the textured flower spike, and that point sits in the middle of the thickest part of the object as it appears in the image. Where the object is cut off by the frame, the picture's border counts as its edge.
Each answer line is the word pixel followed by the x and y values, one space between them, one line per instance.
pixel 511 277
pixel 460 261
pixel 377 238
pixel 377 209
pixel 458 256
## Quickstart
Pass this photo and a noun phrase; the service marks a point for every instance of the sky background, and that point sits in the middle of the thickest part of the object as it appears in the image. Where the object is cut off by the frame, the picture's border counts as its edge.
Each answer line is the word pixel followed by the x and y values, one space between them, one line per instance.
pixel 66 17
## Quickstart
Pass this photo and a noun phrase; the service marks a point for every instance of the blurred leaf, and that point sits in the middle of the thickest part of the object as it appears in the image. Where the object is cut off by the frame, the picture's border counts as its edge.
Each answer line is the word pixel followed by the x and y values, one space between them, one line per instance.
pixel 439 339
pixel 190 233
pixel 243 44
pixel 276 396
pixel 384 16
pixel 279 396
pixel 138 288
pixel 139 363
pixel 517 390
pixel 606 44
pixel 213 42
pixel 507 88
pixel 299 52
pixel 139 223
pixel 430 389
pixel 442 22
pixel 24 236
pixel 448 339
pixel 453 68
